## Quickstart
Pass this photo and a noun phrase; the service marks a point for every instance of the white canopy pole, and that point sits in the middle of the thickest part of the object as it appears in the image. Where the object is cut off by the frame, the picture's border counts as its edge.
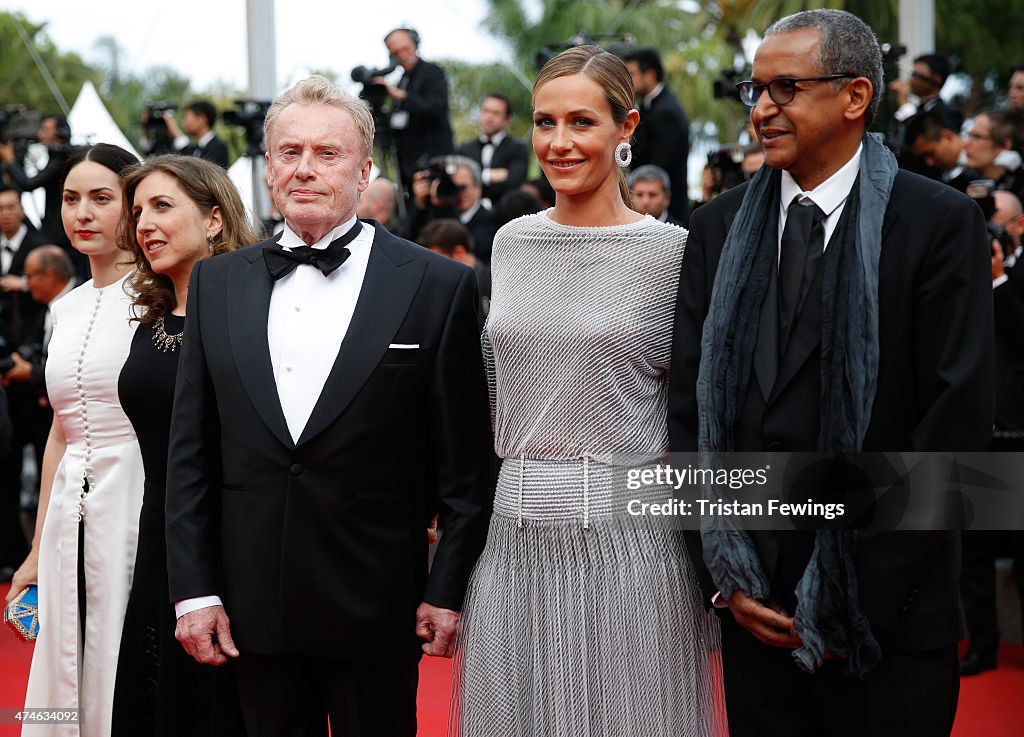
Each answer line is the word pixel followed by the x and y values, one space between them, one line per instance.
pixel 917 26
pixel 262 52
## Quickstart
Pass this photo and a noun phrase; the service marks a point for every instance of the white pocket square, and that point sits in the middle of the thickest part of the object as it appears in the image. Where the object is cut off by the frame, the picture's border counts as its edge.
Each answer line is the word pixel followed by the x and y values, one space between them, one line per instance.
pixel 404 346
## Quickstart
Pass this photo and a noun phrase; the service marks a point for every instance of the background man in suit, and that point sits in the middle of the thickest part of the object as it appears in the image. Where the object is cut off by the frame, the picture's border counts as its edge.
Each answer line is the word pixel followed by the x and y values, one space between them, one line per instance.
pixel 930 137
pixel 198 121
pixel 925 362
pixel 503 160
pixel 16 241
pixel 330 401
pixel 652 193
pixel 55 134
pixel 419 115
pixel 465 203
pixel 663 136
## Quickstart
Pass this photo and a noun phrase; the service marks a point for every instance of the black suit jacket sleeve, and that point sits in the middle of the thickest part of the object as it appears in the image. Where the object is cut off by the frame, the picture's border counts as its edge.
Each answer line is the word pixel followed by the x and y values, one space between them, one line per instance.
pixel 193 518
pixel 460 440
pixel 216 151
pixel 44 176
pixel 427 93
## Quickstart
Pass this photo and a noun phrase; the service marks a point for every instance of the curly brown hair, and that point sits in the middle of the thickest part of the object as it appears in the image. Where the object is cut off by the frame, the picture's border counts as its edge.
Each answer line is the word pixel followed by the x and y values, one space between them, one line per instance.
pixel 208 186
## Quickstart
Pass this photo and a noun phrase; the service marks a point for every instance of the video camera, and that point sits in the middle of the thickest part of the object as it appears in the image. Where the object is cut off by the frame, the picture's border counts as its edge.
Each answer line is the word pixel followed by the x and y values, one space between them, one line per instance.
pixel 442 169
pixel 249 115
pixel 981 191
pixel 19 123
pixel 724 88
pixel 376 96
pixel 726 166
pixel 154 122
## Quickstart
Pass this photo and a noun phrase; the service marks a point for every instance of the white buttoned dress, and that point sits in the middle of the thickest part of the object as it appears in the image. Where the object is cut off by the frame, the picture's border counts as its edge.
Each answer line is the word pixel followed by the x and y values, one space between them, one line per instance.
pixel 92 334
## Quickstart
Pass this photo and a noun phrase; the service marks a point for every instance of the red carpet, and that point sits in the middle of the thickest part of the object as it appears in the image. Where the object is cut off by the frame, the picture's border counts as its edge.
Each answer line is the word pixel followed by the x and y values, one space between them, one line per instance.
pixel 989 703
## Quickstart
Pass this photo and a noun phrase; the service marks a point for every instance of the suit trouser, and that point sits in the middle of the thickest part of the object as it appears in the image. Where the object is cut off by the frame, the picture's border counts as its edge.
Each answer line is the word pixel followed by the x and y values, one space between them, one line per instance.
pixel 909 694
pixel 294 695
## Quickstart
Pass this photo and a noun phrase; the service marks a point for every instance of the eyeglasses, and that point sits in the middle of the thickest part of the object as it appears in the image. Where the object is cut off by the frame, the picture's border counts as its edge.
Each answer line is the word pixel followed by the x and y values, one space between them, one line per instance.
pixel 782 90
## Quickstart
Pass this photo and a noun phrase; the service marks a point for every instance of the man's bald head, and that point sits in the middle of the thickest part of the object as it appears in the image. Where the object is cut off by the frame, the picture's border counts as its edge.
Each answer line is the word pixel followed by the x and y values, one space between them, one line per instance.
pixel 377 202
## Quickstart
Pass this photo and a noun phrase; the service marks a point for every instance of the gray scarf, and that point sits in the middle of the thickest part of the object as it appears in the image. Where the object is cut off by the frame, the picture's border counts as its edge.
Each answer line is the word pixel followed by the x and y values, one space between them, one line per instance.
pixel 828 617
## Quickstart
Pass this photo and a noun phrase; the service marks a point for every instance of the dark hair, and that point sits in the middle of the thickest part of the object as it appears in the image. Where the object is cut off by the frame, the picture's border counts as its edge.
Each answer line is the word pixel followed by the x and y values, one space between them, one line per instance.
pixel 208 186
pixel 203 109
pixel 1006 125
pixel 610 74
pixel 499 96
pixel 647 59
pixel 847 46
pixel 5 187
pixel 938 63
pixel 414 36
pixel 61 121
pixel 545 192
pixel 929 125
pixel 514 204
pixel 446 234
pixel 53 259
pixel 112 157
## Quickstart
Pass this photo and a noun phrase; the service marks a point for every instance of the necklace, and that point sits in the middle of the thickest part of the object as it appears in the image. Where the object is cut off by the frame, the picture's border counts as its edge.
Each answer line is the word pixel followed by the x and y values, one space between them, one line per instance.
pixel 162 340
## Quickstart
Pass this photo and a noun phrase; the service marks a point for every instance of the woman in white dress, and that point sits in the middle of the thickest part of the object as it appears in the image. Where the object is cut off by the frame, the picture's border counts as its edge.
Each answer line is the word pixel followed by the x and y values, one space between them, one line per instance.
pixel 91 485
pixel 580 620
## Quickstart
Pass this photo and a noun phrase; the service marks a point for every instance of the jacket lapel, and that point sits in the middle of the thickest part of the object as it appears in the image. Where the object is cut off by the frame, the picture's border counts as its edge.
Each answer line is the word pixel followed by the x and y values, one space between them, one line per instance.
pixel 391 280
pixel 249 288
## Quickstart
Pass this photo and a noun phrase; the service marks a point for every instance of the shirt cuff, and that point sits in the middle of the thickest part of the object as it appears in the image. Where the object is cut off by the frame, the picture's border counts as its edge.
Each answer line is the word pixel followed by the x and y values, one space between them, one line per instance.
pixel 485 176
pixel 905 112
pixel 185 606
pixel 1000 281
pixel 718 601
pixel 180 142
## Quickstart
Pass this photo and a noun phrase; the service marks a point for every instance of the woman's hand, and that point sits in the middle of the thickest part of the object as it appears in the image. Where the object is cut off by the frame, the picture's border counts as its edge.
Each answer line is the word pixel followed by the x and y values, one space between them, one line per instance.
pixel 26 575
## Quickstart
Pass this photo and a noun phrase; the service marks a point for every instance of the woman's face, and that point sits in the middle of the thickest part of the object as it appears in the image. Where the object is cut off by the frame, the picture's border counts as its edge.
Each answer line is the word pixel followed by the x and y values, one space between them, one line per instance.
pixel 171 230
pixel 575 135
pixel 91 208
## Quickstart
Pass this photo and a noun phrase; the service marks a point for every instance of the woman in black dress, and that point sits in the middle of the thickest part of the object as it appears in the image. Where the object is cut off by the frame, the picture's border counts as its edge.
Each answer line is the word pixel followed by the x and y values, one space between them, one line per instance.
pixel 177 210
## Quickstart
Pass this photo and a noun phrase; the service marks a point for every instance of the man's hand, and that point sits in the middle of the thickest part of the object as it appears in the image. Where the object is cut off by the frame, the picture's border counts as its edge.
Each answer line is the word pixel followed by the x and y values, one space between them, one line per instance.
pixel 421 189
pixel 22 371
pixel 13 283
pixel 7 152
pixel 998 267
pixel 438 627
pixel 393 91
pixel 770 624
pixel 206 635
pixel 498 175
pixel 902 89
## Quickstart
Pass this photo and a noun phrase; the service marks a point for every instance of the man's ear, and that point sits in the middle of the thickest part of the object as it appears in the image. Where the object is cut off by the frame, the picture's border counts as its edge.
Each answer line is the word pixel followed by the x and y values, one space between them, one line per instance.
pixel 860 92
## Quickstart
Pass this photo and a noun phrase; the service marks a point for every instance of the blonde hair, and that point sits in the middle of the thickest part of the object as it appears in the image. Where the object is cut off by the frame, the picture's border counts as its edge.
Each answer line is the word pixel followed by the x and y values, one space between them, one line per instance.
pixel 609 72
pixel 317 90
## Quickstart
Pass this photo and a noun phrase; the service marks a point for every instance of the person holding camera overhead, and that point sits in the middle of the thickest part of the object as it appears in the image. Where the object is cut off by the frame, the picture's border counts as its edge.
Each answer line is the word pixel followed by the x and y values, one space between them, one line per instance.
pixel 197 121
pixel 452 187
pixel 55 134
pixel 419 115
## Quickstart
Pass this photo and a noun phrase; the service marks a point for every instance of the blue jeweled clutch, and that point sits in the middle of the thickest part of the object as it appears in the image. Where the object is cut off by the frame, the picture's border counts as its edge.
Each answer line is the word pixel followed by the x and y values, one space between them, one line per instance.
pixel 22 614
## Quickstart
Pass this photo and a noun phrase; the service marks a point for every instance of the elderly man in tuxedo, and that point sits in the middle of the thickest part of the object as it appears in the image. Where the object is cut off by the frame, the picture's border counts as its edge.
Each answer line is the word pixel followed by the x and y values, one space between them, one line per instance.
pixel 330 401
pixel 833 303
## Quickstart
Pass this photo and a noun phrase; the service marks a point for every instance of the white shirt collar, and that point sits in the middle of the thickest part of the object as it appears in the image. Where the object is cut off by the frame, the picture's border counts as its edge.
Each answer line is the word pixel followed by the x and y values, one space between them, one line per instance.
pixel 466 216
pixel 649 98
pixel 15 240
pixel 496 139
pixel 828 195
pixel 201 143
pixel 290 240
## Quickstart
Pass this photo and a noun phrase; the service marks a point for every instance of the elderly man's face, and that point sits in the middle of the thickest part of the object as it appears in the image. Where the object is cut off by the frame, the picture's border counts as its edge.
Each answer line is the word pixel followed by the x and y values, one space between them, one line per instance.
pixel 650 198
pixel 802 136
pixel 315 168
pixel 400 45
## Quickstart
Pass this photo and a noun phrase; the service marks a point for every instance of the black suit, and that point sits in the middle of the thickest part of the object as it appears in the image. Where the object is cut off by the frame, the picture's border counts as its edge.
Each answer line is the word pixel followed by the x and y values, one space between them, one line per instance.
pixel 19 307
pixel 318 548
pixel 427 132
pixel 510 154
pixel 663 139
pixel 215 151
pixel 933 393
pixel 49 178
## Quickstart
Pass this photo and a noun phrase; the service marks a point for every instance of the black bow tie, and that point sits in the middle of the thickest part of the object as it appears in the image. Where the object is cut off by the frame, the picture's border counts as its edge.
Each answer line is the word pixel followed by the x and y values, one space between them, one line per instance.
pixel 281 262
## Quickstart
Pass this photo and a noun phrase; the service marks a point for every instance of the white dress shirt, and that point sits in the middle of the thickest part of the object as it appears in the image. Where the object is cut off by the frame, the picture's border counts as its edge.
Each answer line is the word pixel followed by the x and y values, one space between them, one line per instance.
pixel 309 317
pixel 14 242
pixel 830 196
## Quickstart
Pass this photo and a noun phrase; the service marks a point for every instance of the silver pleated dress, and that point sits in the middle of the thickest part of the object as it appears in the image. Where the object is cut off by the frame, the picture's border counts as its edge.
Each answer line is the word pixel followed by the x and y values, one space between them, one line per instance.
pixel 580 620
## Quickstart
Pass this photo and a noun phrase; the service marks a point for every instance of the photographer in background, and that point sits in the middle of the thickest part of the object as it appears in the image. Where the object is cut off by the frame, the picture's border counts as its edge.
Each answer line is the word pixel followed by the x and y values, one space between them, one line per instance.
pixel 994 145
pixel 54 133
pixel 451 187
pixel 197 121
pixel 930 137
pixel 419 114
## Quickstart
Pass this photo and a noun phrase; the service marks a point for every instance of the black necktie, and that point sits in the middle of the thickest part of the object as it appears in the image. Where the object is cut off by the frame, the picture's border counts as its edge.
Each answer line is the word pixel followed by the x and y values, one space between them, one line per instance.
pixel 803 233
pixel 281 262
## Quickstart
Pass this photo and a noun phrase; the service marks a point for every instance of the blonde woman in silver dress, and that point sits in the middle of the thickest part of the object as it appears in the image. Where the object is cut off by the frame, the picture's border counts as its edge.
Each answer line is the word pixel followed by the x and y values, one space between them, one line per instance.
pixel 579 621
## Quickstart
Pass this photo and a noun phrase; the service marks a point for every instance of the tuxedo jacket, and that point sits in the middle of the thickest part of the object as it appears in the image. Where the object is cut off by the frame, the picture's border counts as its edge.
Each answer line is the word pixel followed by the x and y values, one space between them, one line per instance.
pixel 428 132
pixel 215 151
pixel 663 139
pixel 933 391
pixel 1008 301
pixel 318 547
pixel 17 309
pixel 510 154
